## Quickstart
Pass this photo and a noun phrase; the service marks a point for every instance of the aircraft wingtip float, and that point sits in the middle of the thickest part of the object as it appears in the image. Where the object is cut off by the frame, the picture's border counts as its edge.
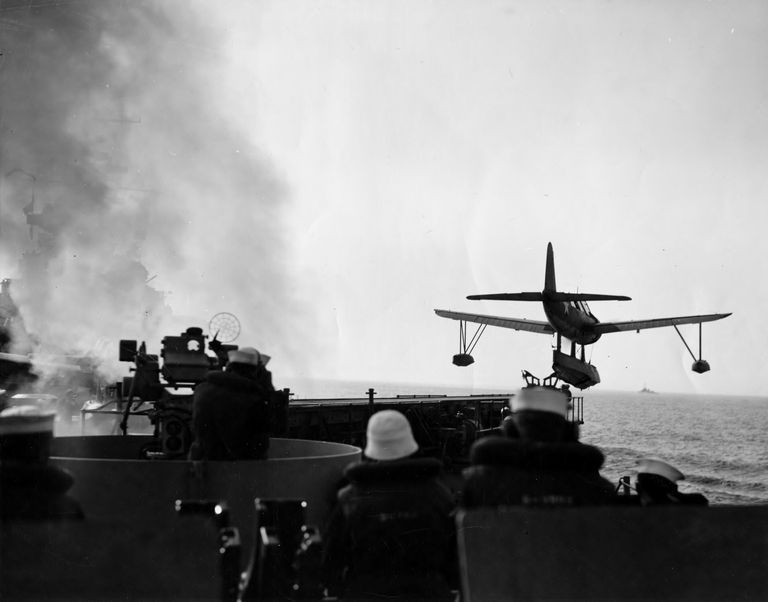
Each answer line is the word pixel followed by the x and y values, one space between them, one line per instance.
pixel 569 317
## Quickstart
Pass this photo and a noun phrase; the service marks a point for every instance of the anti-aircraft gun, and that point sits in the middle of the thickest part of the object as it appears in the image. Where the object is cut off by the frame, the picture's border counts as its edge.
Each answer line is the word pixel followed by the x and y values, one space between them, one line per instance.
pixel 166 382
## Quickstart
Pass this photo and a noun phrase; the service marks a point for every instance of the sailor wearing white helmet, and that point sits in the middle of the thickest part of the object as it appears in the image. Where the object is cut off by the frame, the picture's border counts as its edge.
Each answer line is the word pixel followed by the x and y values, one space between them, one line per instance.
pixel 540 414
pixel 539 461
pixel 391 534
pixel 230 415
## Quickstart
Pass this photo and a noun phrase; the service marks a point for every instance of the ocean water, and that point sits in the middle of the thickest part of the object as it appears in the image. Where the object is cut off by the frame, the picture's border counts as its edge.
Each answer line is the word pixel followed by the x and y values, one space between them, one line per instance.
pixel 718 442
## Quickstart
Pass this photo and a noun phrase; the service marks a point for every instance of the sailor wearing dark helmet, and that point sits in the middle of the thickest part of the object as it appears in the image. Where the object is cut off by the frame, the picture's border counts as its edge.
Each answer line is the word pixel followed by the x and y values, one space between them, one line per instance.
pixel 30 487
pixel 656 484
pixel 539 462
pixel 391 534
pixel 230 415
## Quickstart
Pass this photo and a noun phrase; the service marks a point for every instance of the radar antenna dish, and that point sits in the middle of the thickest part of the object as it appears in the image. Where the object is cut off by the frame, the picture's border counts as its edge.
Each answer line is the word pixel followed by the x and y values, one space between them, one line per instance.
pixel 224 327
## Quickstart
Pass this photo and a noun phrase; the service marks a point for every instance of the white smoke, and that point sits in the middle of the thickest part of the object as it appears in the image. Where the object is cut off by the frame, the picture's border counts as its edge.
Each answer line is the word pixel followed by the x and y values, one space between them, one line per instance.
pixel 148 200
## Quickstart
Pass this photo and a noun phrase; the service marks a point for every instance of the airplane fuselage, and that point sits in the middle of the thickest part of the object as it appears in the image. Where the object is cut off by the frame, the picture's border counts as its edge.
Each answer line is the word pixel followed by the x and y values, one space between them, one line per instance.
pixel 572 320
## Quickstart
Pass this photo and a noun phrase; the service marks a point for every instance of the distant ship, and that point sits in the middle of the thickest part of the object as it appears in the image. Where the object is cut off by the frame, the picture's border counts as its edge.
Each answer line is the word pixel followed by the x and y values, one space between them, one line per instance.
pixel 647 390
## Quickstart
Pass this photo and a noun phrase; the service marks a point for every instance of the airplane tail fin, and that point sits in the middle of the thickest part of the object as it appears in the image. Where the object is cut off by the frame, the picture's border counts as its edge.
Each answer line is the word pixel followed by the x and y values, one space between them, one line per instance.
pixel 549 275
pixel 549 286
pixel 550 290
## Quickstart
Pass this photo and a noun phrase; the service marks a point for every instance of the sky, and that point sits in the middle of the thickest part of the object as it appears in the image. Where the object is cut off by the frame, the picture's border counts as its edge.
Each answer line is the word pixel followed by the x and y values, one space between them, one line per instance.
pixel 331 172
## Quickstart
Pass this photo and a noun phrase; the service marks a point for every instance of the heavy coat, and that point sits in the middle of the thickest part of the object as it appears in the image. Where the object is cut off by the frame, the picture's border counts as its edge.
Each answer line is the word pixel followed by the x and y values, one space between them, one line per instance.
pixel 36 491
pixel 512 471
pixel 392 533
pixel 230 418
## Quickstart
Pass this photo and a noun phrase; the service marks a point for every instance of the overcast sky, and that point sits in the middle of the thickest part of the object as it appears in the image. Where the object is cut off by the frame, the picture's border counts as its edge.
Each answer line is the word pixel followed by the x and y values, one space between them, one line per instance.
pixel 432 149
pixel 422 151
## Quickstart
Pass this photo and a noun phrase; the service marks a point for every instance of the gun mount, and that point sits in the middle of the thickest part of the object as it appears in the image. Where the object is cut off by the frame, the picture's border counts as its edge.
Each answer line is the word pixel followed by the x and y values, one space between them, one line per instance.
pixel 161 387
pixel 184 363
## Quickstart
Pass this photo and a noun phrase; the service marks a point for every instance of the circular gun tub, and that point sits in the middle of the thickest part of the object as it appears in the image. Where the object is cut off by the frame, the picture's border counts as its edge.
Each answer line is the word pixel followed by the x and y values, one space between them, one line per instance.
pixel 132 543
pixel 112 480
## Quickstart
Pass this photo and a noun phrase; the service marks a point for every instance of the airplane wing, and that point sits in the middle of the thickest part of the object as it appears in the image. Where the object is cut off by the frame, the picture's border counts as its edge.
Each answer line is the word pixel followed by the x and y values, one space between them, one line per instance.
pixel 15 358
pixel 606 327
pixel 513 323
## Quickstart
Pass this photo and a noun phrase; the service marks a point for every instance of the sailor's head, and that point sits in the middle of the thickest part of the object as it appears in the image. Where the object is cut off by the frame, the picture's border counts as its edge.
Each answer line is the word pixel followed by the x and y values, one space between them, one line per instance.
pixel 540 414
pixel 248 356
pixel 389 436
pixel 656 477
pixel 540 399
pixel 25 434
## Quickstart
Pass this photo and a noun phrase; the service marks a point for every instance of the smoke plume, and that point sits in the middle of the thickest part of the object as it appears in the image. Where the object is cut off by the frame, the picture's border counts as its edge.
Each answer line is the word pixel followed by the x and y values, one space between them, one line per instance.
pixel 128 197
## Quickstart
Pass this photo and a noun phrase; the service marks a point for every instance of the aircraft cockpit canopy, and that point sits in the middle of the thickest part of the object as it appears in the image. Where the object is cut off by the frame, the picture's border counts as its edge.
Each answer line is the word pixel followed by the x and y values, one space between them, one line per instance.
pixel 581 306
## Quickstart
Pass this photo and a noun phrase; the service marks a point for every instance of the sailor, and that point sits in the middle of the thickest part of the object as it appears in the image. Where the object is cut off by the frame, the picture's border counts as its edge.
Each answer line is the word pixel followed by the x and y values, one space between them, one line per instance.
pixel 656 484
pixel 391 535
pixel 230 414
pixel 30 487
pixel 539 462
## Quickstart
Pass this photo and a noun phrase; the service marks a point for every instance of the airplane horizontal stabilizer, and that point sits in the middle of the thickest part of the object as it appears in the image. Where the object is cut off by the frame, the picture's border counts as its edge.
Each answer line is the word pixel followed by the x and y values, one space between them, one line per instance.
pixel 513 323
pixel 585 297
pixel 509 297
pixel 607 327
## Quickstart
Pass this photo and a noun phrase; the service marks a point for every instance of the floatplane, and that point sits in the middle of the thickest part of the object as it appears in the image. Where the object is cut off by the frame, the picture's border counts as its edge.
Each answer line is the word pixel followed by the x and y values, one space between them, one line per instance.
pixel 569 317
